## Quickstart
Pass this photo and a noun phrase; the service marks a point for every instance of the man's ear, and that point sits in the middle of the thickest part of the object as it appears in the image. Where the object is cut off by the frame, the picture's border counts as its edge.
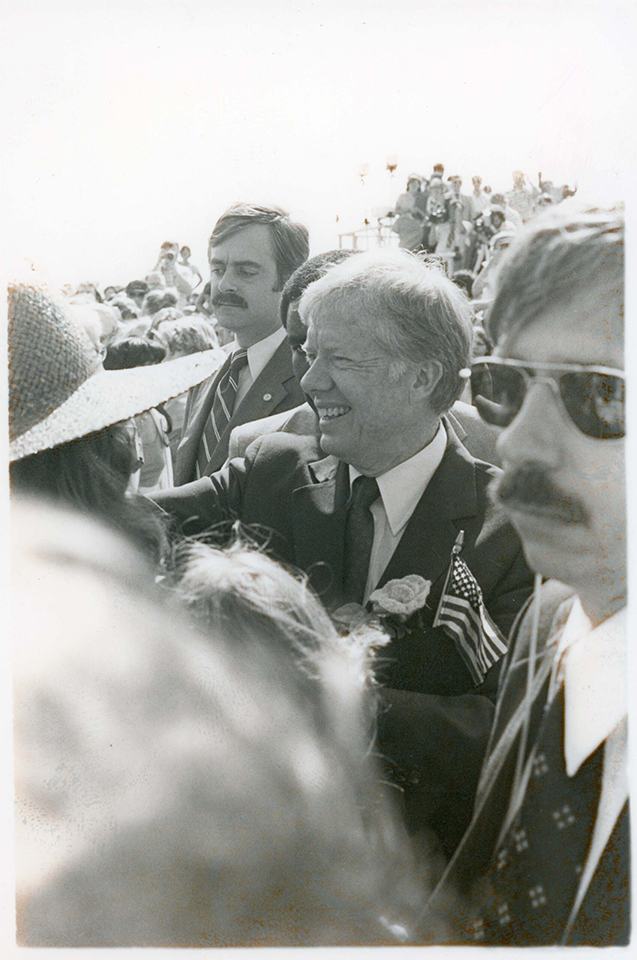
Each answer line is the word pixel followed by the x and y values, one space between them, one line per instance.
pixel 428 377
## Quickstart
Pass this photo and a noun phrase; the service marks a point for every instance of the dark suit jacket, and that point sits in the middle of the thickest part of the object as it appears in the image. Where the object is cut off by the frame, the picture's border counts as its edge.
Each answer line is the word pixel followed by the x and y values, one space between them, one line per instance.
pixel 274 390
pixel 436 724
pixel 603 918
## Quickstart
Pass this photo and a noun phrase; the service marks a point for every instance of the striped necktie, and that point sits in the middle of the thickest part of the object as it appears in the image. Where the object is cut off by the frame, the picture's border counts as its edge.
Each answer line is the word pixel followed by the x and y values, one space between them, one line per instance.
pixel 222 408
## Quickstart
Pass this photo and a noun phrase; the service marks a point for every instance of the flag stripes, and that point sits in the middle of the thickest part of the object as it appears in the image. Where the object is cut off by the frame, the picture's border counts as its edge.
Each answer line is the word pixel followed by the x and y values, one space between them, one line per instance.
pixel 462 613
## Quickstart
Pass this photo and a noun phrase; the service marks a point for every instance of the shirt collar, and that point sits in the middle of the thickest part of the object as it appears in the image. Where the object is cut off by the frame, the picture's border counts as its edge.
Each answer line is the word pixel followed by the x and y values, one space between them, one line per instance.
pixel 262 351
pixel 595 671
pixel 402 487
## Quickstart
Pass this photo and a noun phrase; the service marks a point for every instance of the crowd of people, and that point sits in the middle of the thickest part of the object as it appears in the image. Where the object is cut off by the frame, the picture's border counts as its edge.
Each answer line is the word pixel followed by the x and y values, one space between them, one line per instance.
pixel 468 231
pixel 319 590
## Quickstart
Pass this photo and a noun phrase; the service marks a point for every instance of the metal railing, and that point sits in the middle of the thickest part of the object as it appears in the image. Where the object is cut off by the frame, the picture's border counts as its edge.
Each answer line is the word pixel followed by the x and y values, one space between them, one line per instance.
pixel 370 236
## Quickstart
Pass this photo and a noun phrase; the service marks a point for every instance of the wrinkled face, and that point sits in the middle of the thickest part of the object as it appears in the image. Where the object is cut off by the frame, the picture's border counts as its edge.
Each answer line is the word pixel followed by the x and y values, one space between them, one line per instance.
pixel 369 411
pixel 243 276
pixel 571 514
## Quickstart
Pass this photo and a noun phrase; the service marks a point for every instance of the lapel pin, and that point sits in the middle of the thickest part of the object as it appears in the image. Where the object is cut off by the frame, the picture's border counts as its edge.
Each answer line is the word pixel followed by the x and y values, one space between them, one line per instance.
pixel 267 396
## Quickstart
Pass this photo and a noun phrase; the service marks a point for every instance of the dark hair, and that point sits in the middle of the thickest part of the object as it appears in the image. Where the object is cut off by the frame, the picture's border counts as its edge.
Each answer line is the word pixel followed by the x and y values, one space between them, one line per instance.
pixel 464 279
pixel 133 352
pixel 313 269
pixel 289 239
pixel 140 287
pixel 154 301
pixel 92 474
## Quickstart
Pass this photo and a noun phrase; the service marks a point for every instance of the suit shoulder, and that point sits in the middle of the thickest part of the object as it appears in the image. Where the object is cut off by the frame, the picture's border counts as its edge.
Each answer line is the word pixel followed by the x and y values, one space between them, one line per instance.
pixel 286 448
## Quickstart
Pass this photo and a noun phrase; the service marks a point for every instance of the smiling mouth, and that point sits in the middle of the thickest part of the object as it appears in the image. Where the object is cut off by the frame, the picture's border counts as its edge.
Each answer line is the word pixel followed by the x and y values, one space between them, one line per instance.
pixel 331 413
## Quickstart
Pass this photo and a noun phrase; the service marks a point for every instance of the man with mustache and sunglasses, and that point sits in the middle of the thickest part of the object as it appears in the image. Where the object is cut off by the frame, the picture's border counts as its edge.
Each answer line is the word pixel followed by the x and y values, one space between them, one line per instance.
pixel 546 859
pixel 252 252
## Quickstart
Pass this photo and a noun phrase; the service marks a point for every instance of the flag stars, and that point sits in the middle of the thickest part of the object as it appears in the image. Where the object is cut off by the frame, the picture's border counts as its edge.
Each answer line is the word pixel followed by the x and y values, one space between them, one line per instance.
pixel 476 928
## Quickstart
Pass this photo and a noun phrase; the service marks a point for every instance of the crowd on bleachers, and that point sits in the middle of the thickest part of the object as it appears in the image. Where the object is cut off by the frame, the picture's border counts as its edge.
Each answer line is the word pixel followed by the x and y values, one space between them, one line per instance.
pixel 468 230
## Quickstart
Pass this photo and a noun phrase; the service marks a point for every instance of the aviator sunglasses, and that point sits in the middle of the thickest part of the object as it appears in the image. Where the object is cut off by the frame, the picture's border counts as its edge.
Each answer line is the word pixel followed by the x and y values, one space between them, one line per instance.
pixel 593 397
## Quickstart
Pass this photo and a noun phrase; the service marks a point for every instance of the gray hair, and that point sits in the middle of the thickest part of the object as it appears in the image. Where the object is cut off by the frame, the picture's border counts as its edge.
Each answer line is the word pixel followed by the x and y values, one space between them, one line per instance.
pixel 412 308
pixel 560 254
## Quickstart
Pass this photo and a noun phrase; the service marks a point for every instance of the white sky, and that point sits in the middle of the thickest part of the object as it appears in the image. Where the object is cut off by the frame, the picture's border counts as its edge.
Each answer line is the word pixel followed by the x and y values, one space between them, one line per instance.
pixel 130 123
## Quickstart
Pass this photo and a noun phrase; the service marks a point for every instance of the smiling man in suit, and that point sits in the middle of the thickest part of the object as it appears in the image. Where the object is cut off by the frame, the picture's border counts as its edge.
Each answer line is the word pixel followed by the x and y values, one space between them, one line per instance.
pixel 477 436
pixel 252 252
pixel 383 493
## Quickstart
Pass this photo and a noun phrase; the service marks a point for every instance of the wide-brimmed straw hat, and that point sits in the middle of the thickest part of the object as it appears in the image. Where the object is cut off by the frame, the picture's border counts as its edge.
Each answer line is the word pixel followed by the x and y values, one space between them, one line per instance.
pixel 58 390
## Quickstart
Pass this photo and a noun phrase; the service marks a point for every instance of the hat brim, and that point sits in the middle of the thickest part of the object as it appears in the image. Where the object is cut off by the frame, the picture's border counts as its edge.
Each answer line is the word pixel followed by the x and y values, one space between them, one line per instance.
pixel 111 396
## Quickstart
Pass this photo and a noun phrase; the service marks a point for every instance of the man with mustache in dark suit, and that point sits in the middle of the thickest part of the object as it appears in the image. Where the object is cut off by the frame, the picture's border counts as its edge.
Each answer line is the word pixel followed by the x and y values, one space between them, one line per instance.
pixel 388 340
pixel 546 859
pixel 252 252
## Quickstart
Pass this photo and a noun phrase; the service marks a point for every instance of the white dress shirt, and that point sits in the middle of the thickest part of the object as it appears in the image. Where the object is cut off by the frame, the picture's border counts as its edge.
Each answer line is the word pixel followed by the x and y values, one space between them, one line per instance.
pixel 400 490
pixel 594 668
pixel 259 355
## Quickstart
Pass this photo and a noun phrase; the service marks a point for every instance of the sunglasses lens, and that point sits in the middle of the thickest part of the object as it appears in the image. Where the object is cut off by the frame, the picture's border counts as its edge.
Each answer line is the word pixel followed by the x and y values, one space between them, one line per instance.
pixel 498 392
pixel 595 403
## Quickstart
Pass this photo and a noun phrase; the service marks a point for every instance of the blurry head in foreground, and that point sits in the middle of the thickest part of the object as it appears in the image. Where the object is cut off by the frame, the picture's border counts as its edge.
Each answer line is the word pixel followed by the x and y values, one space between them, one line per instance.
pixel 193 787
pixel 556 386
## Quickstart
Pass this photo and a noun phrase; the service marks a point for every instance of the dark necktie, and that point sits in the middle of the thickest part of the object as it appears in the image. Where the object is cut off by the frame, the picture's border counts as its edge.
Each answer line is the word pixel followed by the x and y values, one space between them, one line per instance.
pixel 222 408
pixel 359 537
pixel 536 869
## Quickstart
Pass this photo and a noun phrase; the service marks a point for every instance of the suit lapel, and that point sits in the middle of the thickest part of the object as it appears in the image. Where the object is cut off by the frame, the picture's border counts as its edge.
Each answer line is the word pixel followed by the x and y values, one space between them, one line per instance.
pixel 319 526
pixel 264 396
pixel 197 412
pixel 450 498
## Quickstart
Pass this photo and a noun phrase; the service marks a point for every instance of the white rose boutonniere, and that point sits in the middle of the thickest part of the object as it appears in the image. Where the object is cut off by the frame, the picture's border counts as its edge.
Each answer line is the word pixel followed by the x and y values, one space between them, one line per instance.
pixel 391 606
pixel 401 597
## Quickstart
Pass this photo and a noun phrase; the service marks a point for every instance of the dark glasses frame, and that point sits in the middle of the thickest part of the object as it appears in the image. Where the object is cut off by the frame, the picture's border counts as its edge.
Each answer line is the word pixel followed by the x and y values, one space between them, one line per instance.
pixel 556 375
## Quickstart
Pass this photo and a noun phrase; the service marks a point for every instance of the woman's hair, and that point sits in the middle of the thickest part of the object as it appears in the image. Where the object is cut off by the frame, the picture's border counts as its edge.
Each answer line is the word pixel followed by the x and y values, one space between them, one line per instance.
pixel 240 587
pixel 92 474
pixel 186 782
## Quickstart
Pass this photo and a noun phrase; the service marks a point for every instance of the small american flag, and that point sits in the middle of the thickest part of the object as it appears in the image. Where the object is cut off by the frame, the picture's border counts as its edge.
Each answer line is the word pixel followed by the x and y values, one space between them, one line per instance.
pixel 462 613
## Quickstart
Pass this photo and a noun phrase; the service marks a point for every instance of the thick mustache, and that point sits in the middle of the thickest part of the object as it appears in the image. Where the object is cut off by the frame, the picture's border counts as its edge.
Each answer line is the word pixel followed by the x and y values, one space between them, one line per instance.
pixel 529 485
pixel 229 300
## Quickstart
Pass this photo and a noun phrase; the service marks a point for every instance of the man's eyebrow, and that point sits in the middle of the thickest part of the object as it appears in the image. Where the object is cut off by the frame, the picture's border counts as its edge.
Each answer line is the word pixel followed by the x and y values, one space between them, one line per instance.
pixel 238 263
